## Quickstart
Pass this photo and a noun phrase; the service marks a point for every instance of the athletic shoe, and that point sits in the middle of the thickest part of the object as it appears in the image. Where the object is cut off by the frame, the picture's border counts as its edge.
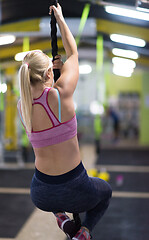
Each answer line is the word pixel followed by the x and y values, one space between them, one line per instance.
pixel 82 234
pixel 67 225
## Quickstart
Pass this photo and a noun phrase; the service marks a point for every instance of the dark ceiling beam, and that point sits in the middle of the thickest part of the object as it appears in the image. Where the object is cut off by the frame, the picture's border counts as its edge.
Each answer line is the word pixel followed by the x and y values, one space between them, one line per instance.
pixel 25 9
pixel 121 2
pixel 17 10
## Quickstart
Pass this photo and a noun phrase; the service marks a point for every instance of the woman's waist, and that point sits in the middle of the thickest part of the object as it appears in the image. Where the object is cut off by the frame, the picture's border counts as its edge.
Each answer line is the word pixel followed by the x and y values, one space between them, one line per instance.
pixel 58 159
pixel 60 178
pixel 56 167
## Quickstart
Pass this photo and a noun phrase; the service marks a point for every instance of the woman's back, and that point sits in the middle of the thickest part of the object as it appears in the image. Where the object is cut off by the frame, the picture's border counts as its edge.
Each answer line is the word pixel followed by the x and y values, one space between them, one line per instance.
pixel 55 145
pixel 61 157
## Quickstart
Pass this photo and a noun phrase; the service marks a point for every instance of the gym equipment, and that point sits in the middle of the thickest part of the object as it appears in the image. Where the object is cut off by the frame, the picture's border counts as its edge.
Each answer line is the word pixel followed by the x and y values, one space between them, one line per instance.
pixel 119 180
pixel 92 172
pixel 103 174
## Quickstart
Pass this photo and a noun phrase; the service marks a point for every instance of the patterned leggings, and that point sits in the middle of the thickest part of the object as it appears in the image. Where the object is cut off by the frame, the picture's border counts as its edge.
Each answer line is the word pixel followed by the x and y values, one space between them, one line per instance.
pixel 73 192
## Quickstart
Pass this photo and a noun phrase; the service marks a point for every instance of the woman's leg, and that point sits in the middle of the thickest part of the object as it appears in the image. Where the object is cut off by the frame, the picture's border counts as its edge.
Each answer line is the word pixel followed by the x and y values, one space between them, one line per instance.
pixel 94 215
pixel 68 226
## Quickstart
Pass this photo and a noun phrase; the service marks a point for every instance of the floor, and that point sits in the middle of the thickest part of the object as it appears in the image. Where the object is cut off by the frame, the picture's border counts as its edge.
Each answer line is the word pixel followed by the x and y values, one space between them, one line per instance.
pixel 126 219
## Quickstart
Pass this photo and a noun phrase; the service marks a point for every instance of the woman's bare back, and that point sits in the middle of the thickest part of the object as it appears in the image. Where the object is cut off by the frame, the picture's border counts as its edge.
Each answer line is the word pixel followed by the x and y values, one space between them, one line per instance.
pixel 60 158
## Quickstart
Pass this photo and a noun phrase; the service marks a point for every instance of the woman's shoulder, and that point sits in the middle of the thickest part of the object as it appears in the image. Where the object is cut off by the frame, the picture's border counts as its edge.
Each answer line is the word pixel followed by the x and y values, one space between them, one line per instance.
pixel 53 94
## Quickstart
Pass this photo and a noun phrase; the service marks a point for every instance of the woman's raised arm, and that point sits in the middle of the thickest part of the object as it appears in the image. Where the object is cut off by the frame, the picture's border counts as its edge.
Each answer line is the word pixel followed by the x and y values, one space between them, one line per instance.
pixel 70 70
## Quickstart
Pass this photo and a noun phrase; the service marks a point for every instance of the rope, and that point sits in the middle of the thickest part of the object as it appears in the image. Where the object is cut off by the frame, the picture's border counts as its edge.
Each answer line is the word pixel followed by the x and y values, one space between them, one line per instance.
pixel 54 40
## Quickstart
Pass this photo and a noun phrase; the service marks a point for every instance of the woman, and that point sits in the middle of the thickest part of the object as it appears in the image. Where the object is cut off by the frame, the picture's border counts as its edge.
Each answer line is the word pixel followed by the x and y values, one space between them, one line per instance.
pixel 60 182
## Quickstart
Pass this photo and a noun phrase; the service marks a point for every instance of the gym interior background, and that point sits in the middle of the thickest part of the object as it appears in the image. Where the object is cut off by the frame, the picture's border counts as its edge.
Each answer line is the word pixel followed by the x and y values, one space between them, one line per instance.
pixel 112 107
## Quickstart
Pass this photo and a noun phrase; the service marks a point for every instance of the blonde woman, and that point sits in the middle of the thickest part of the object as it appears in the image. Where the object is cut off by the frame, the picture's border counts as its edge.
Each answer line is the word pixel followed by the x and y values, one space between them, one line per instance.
pixel 60 183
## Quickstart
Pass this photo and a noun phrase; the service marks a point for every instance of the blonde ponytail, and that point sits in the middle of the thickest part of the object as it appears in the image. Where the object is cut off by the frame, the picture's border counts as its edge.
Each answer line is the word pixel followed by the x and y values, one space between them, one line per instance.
pixel 26 96
pixel 32 71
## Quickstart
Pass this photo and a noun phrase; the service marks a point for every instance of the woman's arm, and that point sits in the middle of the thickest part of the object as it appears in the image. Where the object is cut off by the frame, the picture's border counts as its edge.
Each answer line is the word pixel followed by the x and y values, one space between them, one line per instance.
pixel 70 70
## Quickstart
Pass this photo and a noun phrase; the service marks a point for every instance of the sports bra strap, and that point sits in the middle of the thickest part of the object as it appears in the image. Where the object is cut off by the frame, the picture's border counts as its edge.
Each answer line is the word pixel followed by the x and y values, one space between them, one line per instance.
pixel 59 108
pixel 59 105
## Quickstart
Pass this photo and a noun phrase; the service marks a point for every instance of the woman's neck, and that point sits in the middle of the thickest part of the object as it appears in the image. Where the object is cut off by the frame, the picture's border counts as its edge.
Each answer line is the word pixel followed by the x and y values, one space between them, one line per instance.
pixel 38 89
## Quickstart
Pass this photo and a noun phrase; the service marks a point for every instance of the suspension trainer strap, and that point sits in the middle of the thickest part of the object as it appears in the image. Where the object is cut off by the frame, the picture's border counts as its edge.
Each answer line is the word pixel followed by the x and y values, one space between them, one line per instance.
pixel 54 40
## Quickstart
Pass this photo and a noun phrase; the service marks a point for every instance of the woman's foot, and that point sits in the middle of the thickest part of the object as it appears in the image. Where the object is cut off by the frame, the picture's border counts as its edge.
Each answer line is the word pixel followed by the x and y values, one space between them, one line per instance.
pixel 82 234
pixel 67 225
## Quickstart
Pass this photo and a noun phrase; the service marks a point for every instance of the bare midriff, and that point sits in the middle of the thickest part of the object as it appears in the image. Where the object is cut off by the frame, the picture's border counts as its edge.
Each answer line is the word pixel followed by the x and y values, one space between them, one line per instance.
pixel 59 158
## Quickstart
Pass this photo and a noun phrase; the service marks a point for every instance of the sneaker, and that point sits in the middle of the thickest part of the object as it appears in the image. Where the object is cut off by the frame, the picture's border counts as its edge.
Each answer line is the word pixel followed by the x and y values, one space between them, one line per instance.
pixel 67 225
pixel 82 234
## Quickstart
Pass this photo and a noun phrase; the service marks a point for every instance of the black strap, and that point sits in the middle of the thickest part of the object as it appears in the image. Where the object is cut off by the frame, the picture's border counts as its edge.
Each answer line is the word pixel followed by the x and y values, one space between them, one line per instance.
pixel 54 40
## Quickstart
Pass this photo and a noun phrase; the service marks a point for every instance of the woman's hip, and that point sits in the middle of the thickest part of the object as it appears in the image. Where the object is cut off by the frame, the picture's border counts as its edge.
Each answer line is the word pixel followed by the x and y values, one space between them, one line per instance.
pixel 72 192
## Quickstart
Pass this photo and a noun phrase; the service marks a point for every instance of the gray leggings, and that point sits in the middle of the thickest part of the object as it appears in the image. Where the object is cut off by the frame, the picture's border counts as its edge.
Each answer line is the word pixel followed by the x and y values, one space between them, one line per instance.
pixel 73 192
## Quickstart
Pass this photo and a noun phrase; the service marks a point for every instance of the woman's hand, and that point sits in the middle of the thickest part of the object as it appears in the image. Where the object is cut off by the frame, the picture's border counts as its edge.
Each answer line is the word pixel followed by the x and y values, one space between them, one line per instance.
pixel 57 63
pixel 57 11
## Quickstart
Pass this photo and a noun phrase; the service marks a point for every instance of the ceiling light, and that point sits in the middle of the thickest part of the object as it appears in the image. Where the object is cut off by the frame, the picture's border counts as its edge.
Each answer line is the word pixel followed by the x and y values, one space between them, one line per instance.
pixel 127 13
pixel 124 62
pixel 122 72
pixel 127 40
pixel 125 53
pixel 19 56
pixel 85 69
pixel 7 39
pixel 123 67
pixel 143 9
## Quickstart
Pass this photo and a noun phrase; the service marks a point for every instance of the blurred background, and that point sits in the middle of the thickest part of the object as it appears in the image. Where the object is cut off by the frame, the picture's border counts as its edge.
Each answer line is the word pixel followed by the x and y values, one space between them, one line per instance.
pixel 112 107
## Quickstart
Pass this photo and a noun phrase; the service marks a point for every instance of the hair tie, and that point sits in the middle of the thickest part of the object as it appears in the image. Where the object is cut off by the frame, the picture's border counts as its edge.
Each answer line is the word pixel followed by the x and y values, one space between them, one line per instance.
pixel 27 64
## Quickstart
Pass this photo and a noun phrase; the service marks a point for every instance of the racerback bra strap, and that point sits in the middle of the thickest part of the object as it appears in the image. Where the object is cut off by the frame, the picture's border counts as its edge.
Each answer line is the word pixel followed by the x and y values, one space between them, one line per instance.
pixel 43 100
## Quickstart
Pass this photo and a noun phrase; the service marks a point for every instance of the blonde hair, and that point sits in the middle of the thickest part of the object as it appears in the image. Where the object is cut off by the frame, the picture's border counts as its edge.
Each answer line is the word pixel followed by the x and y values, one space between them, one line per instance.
pixel 33 70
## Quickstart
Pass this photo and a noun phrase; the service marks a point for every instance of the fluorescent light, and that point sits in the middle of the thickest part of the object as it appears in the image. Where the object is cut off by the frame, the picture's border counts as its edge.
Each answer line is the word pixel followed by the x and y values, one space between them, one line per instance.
pixel 123 67
pixel 7 39
pixel 3 87
pixel 143 9
pixel 19 56
pixel 127 40
pixel 125 53
pixel 85 69
pixel 123 62
pixel 127 13
pixel 123 72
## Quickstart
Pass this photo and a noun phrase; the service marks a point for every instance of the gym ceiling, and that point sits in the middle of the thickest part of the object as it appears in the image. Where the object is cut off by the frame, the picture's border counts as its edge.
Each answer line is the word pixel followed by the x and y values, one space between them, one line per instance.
pixel 24 17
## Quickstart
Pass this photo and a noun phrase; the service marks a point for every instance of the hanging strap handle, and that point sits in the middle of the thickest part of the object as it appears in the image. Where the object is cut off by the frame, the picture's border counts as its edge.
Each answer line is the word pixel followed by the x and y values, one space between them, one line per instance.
pixel 54 40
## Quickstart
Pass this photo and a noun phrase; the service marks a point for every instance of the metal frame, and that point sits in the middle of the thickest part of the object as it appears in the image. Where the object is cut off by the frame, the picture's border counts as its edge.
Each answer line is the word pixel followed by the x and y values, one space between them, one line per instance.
pixel 102 3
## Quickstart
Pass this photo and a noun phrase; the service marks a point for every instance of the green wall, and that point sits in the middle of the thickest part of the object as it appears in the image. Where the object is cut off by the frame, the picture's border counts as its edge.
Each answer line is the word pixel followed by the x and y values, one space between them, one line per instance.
pixel 139 82
pixel 119 84
pixel 144 111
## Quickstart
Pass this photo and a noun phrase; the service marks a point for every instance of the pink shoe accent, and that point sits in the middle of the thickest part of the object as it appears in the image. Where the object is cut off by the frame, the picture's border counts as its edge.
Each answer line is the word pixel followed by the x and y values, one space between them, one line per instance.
pixel 61 220
pixel 82 234
pixel 67 225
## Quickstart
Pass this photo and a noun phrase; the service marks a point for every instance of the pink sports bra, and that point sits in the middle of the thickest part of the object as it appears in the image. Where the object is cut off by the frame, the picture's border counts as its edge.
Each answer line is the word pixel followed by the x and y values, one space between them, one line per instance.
pixel 60 132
